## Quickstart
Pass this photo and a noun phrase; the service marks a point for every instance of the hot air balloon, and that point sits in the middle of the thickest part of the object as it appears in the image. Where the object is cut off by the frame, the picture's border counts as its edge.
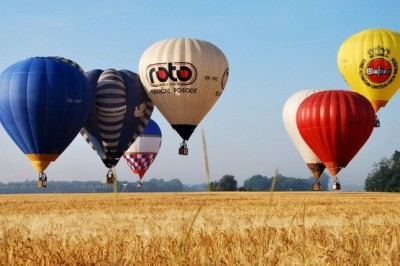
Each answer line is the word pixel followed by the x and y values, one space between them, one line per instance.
pixel 120 112
pixel 335 124
pixel 144 150
pixel 289 119
pixel 184 78
pixel 368 61
pixel 44 101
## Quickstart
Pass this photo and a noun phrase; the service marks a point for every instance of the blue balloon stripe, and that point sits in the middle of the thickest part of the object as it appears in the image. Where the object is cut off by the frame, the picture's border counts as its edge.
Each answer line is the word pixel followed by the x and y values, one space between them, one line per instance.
pixel 114 94
pixel 8 82
pixel 109 84
pixel 151 130
pixel 108 133
pixel 111 73
pixel 111 101
pixel 110 76
pixel 104 84
pixel 65 74
pixel 106 120
pixel 70 83
pixel 110 81
pixel 105 93
pixel 28 94
pixel 110 141
pixel 78 101
pixel 111 128
pixel 110 144
pixel 116 131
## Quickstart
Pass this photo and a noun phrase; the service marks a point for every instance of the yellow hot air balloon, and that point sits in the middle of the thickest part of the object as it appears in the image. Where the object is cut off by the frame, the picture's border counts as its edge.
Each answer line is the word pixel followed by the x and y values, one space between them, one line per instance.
pixel 368 61
pixel 184 78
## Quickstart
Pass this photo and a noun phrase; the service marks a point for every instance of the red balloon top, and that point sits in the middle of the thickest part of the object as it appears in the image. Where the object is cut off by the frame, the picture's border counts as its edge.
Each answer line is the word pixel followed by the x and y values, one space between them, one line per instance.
pixel 335 124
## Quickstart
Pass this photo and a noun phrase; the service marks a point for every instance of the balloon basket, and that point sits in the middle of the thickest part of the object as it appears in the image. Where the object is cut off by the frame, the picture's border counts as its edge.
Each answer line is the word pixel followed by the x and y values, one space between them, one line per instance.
pixel 110 177
pixel 377 122
pixel 41 183
pixel 183 150
pixel 317 186
pixel 336 186
pixel 110 180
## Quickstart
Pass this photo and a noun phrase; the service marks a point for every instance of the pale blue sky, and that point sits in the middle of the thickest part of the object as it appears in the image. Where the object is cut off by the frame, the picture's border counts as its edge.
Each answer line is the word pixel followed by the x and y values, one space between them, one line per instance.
pixel 274 49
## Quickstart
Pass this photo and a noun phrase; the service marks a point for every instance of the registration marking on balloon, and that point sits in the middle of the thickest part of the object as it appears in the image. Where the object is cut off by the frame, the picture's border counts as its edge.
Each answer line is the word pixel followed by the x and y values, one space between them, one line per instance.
pixel 379 72
pixel 77 101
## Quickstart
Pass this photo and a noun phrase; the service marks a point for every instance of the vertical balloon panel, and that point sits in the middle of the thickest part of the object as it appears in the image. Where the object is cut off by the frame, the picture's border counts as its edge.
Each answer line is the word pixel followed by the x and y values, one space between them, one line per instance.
pixel 289 119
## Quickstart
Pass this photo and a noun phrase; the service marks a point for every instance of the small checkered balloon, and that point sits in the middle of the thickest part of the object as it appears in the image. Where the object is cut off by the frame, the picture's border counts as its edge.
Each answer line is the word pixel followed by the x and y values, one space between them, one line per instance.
pixel 144 150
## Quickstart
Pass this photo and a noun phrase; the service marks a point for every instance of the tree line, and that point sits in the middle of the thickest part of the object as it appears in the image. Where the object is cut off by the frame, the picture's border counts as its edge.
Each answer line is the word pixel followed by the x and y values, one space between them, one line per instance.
pixel 152 185
pixel 385 176
pixel 226 183
pixel 263 183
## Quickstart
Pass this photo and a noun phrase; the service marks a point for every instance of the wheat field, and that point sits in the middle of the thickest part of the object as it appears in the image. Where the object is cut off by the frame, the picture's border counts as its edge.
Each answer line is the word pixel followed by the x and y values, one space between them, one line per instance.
pixel 235 228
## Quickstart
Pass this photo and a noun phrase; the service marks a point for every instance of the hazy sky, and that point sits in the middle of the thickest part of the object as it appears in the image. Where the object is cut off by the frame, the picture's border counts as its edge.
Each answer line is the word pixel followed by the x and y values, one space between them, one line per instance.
pixel 274 49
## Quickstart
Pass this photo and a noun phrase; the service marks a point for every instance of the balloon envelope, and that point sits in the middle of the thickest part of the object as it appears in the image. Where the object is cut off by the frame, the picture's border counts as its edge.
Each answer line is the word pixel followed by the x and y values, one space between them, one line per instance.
pixel 144 150
pixel 184 78
pixel 289 120
pixel 44 102
pixel 368 61
pixel 335 124
pixel 121 111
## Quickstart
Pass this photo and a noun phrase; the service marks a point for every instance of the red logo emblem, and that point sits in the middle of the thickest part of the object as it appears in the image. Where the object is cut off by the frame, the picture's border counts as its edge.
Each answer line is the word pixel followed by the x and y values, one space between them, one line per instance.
pixel 378 70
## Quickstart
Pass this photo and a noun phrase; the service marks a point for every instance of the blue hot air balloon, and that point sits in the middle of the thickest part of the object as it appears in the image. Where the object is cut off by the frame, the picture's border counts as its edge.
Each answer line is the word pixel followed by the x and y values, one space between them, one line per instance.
pixel 44 102
pixel 121 111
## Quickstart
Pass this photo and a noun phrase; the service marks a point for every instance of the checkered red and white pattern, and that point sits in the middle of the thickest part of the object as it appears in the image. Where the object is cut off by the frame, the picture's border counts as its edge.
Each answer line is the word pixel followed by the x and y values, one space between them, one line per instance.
pixel 144 150
pixel 140 161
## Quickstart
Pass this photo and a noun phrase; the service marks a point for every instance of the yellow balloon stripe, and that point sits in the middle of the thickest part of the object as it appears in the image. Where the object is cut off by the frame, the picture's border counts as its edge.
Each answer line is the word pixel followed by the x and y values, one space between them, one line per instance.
pixel 41 161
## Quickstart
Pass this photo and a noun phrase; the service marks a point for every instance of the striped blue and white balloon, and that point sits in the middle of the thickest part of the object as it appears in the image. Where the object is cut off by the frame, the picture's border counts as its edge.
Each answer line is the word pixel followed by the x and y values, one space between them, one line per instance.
pixel 121 111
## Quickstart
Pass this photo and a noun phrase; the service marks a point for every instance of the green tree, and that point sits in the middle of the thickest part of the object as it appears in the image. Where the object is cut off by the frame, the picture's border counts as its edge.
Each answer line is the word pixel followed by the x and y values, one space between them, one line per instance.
pixel 385 176
pixel 226 183
pixel 257 183
pixel 214 186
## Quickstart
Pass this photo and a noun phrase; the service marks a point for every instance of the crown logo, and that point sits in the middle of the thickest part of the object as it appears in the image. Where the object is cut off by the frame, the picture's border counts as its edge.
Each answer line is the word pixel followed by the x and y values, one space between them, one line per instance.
pixel 378 51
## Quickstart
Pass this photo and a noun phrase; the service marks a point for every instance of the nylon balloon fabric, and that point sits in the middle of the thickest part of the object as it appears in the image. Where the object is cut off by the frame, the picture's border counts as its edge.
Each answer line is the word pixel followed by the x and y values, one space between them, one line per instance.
pixel 121 111
pixel 289 120
pixel 184 78
pixel 44 102
pixel 369 62
pixel 142 153
pixel 335 124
